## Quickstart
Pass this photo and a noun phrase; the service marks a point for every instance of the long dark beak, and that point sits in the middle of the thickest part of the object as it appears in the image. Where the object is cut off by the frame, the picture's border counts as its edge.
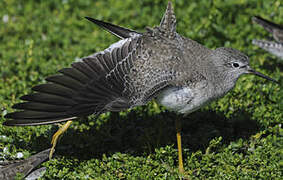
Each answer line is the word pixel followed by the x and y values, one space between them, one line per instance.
pixel 261 75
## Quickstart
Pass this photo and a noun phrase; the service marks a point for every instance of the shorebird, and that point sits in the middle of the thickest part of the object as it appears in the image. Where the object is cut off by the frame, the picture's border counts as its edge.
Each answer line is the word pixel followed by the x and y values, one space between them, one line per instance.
pixel 178 72
pixel 11 169
pixel 275 48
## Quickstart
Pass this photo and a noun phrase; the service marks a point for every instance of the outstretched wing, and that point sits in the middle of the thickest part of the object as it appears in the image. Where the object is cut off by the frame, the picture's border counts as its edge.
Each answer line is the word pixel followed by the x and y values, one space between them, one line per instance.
pixel 56 100
pixel 133 80
pixel 267 25
pixel 272 47
pixel 23 166
pixel 123 76
pixel 275 29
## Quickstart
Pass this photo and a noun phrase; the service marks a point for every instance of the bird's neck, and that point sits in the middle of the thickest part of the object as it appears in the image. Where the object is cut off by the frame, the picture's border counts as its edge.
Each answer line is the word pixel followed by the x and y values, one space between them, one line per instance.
pixel 219 83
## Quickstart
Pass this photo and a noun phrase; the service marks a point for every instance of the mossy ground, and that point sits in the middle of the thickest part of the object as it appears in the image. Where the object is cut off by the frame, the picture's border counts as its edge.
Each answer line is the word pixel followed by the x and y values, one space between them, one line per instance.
pixel 237 137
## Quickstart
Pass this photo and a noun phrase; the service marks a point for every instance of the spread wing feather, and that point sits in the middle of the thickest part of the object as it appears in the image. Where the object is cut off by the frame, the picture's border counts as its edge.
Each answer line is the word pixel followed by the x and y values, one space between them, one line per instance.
pixel 101 82
pixel 120 32
pixel 78 91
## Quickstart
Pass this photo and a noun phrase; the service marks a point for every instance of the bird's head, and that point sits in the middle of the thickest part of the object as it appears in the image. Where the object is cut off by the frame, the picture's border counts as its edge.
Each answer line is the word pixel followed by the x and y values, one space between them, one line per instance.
pixel 231 64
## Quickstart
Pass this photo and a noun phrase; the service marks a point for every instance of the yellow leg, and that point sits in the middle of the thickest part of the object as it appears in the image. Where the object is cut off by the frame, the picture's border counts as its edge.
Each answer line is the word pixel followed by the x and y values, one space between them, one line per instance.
pixel 55 137
pixel 179 143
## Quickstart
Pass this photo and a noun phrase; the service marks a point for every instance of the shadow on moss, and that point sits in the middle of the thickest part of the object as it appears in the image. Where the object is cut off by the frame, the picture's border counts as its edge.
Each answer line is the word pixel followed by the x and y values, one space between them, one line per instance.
pixel 139 133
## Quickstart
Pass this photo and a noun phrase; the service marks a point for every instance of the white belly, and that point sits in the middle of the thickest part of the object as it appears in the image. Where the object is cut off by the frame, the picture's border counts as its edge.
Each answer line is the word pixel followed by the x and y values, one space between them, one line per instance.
pixel 183 99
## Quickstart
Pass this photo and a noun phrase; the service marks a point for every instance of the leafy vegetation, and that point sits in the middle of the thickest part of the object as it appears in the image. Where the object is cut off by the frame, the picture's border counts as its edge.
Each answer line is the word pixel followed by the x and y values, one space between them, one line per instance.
pixel 237 137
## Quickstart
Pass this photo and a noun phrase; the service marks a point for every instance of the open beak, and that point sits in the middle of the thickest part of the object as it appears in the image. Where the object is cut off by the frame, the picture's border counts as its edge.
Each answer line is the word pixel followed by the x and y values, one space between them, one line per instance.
pixel 251 71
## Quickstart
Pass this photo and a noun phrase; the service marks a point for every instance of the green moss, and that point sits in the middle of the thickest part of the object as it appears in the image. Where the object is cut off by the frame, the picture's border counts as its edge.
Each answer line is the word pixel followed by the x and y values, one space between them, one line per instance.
pixel 237 137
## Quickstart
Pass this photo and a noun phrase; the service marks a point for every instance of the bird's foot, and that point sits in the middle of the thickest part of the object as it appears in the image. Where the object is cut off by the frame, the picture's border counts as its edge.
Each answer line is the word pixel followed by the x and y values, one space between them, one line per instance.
pixel 55 137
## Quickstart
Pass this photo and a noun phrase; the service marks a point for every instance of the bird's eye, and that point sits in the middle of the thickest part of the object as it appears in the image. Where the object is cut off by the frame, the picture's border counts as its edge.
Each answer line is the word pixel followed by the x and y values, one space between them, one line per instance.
pixel 235 65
